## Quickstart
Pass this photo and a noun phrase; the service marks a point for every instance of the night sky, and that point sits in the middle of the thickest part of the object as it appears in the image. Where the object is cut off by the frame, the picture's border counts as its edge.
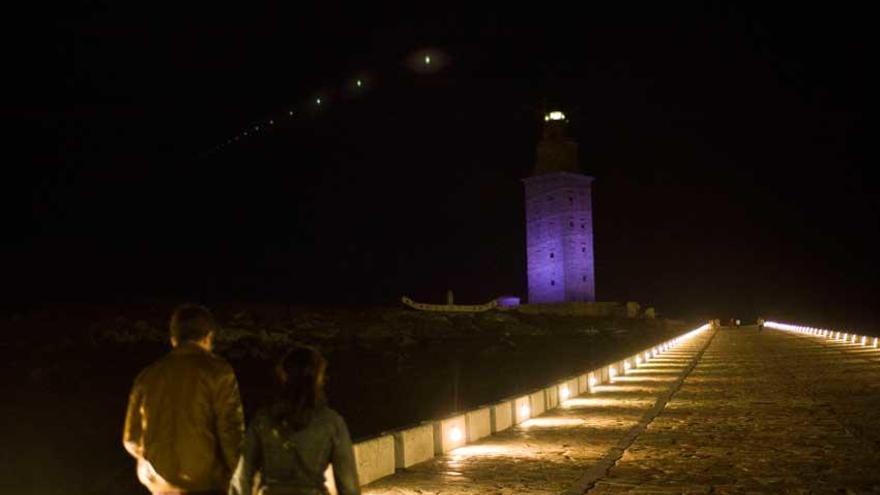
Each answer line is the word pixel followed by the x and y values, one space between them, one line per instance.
pixel 728 142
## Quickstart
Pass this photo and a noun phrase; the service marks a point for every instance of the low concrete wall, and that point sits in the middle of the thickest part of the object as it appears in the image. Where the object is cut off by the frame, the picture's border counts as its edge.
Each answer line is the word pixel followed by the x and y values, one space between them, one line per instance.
pixel 567 389
pixel 378 457
pixel 374 458
pixel 623 367
pixel 413 445
pixel 479 424
pixel 522 409
pixel 602 374
pixel 551 397
pixel 502 415
pixel 583 383
pixel 449 433
pixel 536 403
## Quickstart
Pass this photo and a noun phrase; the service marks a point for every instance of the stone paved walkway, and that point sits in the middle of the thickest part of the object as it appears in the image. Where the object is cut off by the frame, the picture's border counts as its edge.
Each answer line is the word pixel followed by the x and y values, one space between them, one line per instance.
pixel 553 452
pixel 759 413
pixel 762 413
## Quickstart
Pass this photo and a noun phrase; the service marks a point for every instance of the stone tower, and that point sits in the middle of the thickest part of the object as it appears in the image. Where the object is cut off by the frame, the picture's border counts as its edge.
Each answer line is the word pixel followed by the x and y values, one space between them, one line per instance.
pixel 559 221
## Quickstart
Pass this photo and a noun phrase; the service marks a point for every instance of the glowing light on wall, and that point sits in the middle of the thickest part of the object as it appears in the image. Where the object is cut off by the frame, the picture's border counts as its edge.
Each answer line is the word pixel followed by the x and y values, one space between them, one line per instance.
pixel 455 434
pixel 612 372
pixel 626 366
pixel 524 411
pixel 638 360
pixel 564 393
pixel 864 340
pixel 591 382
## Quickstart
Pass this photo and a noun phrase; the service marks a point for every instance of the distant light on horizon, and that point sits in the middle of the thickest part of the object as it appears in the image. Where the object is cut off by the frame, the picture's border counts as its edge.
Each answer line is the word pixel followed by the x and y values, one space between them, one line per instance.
pixel 554 115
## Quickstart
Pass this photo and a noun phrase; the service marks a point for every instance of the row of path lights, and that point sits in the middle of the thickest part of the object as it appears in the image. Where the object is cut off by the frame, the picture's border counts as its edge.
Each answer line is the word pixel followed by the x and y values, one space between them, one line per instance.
pixel 827 334
pixel 456 435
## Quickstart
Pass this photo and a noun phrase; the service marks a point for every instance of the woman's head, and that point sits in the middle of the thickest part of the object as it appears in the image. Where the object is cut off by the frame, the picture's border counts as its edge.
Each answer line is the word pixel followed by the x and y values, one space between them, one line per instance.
pixel 301 377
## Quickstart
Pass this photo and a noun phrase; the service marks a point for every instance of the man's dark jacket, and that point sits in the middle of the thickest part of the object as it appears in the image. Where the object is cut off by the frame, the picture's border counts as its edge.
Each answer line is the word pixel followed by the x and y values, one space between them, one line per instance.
pixel 185 419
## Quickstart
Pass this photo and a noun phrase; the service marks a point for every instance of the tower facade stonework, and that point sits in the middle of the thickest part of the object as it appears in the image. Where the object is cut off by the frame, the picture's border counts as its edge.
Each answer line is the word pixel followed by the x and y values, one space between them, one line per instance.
pixel 559 221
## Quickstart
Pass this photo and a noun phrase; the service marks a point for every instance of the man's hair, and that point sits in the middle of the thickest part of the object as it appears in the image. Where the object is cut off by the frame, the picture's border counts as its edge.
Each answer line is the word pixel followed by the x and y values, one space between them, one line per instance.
pixel 191 322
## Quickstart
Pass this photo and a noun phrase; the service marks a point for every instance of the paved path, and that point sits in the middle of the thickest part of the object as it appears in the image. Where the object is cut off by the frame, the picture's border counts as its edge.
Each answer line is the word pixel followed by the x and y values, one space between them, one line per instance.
pixel 731 411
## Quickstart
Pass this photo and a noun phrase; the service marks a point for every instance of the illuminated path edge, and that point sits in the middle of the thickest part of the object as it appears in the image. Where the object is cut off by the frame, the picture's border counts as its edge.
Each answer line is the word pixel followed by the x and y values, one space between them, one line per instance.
pixel 600 469
pixel 550 452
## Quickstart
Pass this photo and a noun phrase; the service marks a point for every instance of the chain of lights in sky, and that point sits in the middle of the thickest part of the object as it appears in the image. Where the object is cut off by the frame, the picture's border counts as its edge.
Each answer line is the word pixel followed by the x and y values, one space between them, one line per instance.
pixel 423 61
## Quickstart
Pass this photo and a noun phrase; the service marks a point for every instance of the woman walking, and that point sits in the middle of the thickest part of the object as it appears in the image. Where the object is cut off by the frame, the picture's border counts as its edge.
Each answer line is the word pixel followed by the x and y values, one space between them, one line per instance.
pixel 291 442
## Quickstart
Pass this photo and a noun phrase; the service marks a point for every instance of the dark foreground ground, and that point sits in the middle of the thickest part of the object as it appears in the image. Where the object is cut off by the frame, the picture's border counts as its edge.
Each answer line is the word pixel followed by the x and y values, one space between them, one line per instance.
pixel 67 371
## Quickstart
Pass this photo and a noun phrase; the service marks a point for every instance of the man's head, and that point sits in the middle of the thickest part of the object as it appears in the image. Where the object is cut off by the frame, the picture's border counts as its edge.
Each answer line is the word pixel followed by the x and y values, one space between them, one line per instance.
pixel 193 323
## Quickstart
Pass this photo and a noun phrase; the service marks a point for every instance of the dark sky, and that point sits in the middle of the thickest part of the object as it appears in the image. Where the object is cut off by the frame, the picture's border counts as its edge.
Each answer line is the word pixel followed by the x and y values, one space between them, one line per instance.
pixel 728 142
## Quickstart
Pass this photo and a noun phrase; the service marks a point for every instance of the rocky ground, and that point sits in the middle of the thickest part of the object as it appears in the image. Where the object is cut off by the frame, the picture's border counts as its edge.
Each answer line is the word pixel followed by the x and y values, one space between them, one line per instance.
pixel 67 371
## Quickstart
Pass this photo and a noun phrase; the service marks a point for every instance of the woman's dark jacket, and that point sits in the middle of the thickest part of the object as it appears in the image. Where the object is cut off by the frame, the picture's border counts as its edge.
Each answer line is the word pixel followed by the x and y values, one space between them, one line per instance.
pixel 293 461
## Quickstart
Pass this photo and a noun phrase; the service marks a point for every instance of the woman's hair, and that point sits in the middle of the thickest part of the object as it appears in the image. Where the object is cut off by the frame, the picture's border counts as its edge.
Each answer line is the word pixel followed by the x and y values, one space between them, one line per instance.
pixel 301 376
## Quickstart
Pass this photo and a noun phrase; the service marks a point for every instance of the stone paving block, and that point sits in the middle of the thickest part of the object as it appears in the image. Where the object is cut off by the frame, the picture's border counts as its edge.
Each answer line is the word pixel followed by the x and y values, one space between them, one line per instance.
pixel 479 424
pixel 583 383
pixel 567 390
pixel 551 397
pixel 522 409
pixel 501 415
pixel 413 445
pixel 374 458
pixel 537 403
pixel 449 433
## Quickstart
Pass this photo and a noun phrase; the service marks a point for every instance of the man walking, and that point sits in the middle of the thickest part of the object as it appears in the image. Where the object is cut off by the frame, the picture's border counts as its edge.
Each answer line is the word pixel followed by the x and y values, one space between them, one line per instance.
pixel 184 423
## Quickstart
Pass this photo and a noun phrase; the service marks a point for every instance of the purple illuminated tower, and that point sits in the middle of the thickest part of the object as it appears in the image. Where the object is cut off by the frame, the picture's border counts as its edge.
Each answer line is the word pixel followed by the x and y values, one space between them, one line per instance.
pixel 559 221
